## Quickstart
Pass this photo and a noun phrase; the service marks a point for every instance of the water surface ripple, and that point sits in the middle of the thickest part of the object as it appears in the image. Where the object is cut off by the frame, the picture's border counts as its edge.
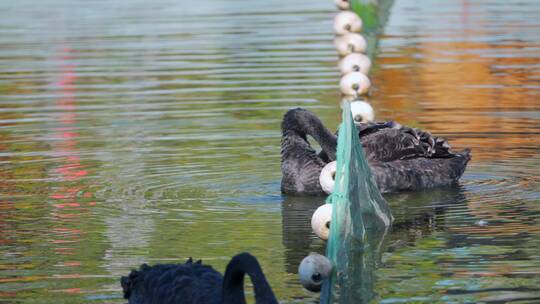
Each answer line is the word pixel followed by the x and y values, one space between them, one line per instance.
pixel 148 131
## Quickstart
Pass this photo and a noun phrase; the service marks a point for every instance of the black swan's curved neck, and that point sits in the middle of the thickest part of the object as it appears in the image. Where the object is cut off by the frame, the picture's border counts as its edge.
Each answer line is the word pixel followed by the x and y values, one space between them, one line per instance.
pixel 303 123
pixel 233 283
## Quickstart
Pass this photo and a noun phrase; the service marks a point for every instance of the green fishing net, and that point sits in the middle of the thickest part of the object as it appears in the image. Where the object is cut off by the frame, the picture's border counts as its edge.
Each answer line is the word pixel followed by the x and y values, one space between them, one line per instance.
pixel 360 219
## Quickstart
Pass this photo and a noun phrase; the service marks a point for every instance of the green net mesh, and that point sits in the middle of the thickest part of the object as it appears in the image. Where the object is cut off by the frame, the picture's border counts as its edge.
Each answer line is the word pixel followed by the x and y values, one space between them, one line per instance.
pixel 360 219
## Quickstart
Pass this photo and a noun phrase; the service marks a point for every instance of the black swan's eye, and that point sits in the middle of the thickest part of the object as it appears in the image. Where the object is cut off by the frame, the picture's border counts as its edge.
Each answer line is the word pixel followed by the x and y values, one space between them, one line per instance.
pixel 316 277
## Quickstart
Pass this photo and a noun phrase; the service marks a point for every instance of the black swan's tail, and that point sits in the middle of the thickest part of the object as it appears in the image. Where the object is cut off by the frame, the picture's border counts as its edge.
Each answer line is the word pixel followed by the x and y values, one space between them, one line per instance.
pixel 466 153
pixel 459 162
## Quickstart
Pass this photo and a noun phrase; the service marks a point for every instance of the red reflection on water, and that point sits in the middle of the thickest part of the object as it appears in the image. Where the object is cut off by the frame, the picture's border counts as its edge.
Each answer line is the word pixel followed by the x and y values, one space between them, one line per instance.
pixel 6 294
pixel 66 198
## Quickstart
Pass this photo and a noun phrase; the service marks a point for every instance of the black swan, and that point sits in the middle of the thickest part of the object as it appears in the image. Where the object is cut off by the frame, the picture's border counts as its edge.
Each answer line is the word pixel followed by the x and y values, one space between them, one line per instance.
pixel 400 158
pixel 197 283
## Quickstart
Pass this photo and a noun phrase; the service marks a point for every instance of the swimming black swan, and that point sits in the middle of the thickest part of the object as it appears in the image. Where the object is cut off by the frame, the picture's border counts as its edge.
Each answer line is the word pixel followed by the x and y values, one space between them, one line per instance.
pixel 400 158
pixel 196 283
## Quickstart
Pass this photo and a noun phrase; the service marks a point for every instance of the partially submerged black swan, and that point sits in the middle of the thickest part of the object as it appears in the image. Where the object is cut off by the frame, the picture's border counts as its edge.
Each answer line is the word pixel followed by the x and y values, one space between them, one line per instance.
pixel 400 158
pixel 197 283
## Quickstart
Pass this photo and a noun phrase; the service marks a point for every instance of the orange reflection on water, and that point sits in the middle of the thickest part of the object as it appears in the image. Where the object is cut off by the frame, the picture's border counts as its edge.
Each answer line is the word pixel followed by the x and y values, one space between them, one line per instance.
pixel 462 82
pixel 462 87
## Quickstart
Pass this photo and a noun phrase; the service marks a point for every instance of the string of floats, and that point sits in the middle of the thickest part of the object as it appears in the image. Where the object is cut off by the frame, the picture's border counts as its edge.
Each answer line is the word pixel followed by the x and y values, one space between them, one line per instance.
pixel 354 84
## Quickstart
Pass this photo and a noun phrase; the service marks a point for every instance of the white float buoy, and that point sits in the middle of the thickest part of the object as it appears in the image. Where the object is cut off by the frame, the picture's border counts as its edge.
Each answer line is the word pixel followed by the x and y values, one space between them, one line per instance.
pixel 354 84
pixel 320 221
pixel 350 43
pixel 347 22
pixel 362 112
pixel 343 4
pixel 313 270
pixel 355 63
pixel 326 178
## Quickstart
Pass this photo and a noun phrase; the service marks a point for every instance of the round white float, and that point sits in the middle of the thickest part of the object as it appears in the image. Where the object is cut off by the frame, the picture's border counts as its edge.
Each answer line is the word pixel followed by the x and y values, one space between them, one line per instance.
pixel 327 176
pixel 320 221
pixel 354 84
pixel 347 22
pixel 355 63
pixel 362 112
pixel 350 43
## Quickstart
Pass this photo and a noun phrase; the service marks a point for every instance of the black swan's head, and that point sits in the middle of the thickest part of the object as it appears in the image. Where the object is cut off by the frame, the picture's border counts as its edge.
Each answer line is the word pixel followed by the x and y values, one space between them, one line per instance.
pixel 233 282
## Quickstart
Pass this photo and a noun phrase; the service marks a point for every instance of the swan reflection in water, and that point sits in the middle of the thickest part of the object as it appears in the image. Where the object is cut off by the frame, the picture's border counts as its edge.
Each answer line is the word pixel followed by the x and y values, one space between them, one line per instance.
pixel 415 216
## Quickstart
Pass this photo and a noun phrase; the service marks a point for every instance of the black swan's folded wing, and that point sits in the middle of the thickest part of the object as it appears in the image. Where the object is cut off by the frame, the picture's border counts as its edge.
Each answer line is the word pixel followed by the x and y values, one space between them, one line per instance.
pixel 390 141
pixel 419 173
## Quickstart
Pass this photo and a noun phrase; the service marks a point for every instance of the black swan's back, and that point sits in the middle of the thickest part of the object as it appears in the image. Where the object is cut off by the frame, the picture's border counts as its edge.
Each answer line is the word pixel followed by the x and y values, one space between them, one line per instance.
pixel 420 173
pixel 388 141
pixel 195 283
pixel 403 158
pixel 173 284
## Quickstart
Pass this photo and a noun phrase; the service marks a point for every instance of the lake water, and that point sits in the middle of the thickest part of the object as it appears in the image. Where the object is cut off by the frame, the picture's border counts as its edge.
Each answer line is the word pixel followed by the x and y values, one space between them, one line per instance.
pixel 148 131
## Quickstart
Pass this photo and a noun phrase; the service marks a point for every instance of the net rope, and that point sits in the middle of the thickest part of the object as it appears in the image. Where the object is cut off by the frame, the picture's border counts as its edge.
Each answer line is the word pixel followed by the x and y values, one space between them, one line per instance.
pixel 360 219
